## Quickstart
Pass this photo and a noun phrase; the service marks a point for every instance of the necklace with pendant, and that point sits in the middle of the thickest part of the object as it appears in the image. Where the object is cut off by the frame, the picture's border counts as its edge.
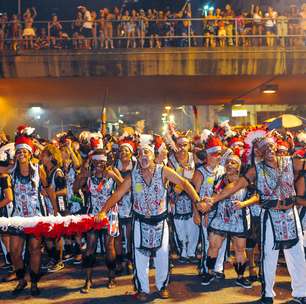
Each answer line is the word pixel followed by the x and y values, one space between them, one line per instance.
pixel 147 201
pixel 266 174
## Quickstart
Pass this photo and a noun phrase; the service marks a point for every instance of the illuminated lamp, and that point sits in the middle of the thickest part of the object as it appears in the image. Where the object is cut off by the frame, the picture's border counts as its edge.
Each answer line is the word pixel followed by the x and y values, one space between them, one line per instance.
pixel 269 88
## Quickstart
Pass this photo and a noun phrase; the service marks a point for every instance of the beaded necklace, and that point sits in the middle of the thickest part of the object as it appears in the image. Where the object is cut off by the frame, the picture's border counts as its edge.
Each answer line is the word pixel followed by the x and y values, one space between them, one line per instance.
pixel 266 174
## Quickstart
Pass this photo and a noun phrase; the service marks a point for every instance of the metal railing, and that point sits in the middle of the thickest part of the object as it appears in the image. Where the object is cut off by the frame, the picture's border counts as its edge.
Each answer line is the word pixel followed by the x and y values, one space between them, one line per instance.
pixel 140 33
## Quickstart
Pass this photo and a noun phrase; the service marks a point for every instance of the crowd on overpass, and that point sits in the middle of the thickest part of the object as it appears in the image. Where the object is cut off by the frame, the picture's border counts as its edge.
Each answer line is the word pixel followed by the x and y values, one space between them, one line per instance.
pixel 123 28
pixel 136 197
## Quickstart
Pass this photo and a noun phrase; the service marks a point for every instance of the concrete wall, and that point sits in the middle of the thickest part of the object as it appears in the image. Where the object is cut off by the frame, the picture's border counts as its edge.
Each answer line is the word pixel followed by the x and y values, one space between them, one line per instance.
pixel 163 62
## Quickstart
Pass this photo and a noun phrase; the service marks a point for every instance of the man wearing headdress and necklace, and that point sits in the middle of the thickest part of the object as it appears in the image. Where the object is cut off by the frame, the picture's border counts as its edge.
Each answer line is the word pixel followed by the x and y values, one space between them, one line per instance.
pixel 148 183
pixel 274 178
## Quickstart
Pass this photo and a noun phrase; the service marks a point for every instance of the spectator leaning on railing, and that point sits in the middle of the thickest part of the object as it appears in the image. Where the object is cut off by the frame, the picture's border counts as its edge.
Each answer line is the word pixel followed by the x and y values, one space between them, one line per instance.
pixel 14 31
pixel 55 30
pixel 77 35
pixel 94 41
pixel 29 31
pixel 42 41
pixel 3 25
pixel 270 24
pixel 131 28
pixel 229 16
pixel 209 29
pixel 282 29
pixel 87 26
pixel 294 26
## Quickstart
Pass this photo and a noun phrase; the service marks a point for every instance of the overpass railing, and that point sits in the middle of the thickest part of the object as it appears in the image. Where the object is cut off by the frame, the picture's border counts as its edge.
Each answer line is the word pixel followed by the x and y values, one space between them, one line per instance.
pixel 209 32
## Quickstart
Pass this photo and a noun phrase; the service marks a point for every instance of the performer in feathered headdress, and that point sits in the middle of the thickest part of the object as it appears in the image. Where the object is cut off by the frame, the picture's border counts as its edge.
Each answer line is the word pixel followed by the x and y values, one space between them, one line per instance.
pixel 237 145
pixel 274 179
pixel 300 145
pixel 249 141
pixel 282 147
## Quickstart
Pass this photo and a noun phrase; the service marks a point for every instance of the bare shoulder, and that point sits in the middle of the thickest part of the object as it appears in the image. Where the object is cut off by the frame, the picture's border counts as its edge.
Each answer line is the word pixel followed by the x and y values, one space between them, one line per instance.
pixel 298 164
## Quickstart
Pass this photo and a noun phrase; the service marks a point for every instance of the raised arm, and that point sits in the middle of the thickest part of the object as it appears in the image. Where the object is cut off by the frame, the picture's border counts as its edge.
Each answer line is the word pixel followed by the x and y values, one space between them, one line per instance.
pixel 34 12
pixel 176 179
pixel 252 9
pixel 75 160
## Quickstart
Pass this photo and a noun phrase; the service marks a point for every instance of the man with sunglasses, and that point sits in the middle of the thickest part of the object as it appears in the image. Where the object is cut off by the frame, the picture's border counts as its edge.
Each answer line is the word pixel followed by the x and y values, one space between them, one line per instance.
pixel 281 228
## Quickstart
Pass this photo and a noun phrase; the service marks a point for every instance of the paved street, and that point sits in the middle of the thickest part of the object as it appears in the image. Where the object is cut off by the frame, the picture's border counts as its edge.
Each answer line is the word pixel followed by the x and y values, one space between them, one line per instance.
pixel 63 287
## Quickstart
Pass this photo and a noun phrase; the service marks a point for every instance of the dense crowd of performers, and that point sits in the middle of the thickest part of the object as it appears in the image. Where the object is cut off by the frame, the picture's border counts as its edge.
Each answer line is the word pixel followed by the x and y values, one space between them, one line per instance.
pixel 196 195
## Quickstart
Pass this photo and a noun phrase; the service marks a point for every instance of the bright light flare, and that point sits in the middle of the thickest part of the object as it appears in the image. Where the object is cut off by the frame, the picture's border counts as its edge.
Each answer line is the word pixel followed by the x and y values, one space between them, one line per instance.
pixel 171 118
pixel 36 112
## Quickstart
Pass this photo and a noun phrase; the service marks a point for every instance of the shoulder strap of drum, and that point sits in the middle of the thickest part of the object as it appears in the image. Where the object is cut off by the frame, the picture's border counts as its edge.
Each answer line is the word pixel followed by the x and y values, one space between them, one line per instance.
pixel 173 162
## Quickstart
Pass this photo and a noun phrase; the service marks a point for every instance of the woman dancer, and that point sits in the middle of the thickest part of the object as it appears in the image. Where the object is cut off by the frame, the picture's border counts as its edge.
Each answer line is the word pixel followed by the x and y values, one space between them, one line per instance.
pixel 101 182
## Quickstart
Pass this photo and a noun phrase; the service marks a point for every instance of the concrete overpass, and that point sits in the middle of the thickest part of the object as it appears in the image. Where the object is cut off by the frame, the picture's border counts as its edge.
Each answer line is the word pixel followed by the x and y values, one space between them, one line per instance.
pixel 170 75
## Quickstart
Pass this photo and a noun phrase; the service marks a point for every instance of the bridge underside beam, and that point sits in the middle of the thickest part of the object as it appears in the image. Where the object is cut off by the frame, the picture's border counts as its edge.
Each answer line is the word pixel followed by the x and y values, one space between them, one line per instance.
pixel 154 62
pixel 174 90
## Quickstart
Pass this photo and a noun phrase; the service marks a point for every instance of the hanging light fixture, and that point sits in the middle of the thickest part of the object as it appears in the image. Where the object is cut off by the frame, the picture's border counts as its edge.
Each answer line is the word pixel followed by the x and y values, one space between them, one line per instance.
pixel 269 88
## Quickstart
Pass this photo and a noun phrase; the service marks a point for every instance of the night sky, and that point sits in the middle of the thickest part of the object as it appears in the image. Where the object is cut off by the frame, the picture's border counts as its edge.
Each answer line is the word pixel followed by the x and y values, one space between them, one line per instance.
pixel 66 9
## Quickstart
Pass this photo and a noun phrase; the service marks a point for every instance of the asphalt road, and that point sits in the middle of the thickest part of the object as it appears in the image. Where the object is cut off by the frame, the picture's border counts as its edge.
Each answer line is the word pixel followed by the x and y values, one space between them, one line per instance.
pixel 64 287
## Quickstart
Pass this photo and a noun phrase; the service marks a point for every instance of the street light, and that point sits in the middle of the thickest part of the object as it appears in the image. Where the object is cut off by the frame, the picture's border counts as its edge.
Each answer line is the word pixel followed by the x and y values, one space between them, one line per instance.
pixel 238 102
pixel 36 110
pixel 168 108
